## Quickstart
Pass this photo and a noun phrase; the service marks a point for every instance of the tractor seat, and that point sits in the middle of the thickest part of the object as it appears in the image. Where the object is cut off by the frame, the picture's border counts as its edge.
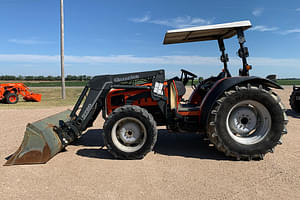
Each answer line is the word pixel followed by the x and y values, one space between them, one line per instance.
pixel 177 89
pixel 180 88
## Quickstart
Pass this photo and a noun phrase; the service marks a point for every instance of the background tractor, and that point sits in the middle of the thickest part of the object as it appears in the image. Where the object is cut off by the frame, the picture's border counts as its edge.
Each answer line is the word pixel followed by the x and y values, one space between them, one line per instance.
pixel 295 99
pixel 241 115
pixel 9 93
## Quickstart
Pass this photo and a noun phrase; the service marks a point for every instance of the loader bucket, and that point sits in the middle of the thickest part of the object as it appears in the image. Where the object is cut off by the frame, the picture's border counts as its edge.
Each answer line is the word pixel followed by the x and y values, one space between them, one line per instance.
pixel 33 97
pixel 40 142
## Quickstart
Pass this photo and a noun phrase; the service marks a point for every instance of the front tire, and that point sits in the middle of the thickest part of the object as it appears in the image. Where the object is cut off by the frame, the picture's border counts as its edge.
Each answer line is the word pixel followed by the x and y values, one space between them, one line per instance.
pixel 247 122
pixel 11 98
pixel 130 132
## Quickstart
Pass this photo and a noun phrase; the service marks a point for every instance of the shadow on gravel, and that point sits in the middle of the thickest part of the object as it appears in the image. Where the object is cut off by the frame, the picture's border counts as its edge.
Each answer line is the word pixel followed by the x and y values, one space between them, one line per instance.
pixel 292 113
pixel 186 145
pixel 171 144
pixel 92 138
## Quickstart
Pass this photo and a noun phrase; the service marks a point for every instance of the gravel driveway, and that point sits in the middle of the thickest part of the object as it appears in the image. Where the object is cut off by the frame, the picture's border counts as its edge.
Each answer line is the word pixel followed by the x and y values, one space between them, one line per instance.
pixel 182 166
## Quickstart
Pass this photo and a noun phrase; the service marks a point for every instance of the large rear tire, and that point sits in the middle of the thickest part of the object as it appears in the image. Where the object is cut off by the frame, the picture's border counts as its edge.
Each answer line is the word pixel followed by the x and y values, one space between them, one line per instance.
pixel 247 122
pixel 295 101
pixel 130 132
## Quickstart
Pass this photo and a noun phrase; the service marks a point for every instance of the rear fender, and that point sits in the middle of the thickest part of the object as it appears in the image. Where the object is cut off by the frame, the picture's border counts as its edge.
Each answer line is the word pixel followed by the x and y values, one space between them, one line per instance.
pixel 296 88
pixel 224 84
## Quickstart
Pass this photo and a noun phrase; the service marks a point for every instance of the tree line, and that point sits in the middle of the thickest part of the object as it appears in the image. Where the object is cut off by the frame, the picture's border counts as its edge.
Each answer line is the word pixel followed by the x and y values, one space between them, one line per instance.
pixel 44 78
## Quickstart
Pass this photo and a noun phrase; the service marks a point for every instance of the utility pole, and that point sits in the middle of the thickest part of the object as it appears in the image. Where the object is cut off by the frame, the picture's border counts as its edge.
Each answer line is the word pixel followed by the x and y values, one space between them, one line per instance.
pixel 63 87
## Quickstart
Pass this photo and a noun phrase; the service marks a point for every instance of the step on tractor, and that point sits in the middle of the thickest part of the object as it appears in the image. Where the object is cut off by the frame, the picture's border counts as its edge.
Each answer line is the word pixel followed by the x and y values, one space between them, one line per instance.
pixel 295 99
pixel 241 116
pixel 9 93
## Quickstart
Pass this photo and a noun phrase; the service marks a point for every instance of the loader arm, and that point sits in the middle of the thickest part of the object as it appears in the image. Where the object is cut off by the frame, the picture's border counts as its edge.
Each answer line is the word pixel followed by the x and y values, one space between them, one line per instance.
pixel 96 92
pixel 45 138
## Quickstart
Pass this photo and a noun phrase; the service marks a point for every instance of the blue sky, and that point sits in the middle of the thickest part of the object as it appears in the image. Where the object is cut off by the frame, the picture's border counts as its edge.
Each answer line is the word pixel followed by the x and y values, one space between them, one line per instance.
pixel 116 36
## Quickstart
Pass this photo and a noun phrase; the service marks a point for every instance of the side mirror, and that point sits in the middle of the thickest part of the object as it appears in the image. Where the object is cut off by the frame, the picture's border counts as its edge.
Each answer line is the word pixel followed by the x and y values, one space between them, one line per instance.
pixel 244 53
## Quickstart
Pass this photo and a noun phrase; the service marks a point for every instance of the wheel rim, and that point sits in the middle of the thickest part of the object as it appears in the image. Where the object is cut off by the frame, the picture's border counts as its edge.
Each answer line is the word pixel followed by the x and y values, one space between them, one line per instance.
pixel 129 134
pixel 12 98
pixel 248 122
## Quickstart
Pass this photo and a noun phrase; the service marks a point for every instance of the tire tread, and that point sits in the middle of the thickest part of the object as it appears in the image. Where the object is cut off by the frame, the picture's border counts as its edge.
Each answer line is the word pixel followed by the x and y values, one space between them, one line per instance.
pixel 217 140
pixel 122 110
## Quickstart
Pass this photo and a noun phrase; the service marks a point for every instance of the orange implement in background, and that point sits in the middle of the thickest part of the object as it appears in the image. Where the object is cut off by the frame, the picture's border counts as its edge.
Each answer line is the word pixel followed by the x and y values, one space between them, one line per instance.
pixel 9 93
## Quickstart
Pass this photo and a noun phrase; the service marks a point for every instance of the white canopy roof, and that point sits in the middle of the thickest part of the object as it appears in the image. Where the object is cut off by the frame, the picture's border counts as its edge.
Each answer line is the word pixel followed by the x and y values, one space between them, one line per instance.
pixel 204 33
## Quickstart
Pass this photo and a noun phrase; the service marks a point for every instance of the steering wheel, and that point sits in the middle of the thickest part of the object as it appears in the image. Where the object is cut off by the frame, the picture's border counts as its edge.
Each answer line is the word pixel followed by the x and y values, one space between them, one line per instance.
pixel 185 77
pixel 188 73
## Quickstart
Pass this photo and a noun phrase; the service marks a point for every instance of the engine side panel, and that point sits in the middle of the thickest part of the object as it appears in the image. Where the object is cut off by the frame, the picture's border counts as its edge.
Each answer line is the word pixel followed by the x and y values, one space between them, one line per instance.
pixel 120 97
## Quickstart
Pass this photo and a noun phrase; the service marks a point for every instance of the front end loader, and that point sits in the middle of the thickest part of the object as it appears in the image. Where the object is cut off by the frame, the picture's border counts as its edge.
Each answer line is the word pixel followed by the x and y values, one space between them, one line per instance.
pixel 241 116
pixel 45 138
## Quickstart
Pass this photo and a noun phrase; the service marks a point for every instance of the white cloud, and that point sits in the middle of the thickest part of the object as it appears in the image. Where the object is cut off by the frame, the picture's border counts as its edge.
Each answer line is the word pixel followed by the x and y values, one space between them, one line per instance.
pixel 262 28
pixel 257 12
pixel 182 22
pixel 159 60
pixel 296 30
pixel 130 59
pixel 177 22
pixel 145 18
pixel 274 62
pixel 27 41
pixel 28 58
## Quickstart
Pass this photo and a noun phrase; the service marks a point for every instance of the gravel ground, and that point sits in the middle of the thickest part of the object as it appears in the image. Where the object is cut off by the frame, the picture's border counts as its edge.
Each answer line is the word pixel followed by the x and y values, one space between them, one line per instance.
pixel 183 166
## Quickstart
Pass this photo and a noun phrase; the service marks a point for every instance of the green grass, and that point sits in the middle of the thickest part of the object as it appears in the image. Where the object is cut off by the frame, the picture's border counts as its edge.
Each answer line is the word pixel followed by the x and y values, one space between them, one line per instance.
pixel 83 83
pixel 49 83
pixel 51 97
pixel 288 82
pixel 55 83
pixel 280 82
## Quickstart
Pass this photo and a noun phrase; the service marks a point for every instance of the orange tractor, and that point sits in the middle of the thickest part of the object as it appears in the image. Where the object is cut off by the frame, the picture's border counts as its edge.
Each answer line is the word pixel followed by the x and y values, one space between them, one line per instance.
pixel 9 93
pixel 241 116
